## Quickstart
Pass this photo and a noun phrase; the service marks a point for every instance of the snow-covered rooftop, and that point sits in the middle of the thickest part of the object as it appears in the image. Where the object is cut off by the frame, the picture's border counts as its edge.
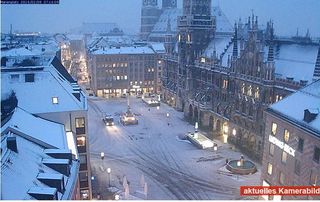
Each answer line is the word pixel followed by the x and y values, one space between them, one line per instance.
pixel 51 90
pixel 22 172
pixel 158 47
pixel 296 61
pixel 16 52
pixel 172 14
pixel 44 132
pixel 124 50
pixel 294 105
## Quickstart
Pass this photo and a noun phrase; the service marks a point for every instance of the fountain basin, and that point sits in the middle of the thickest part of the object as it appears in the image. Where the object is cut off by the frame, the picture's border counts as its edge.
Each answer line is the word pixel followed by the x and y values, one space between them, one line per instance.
pixel 247 168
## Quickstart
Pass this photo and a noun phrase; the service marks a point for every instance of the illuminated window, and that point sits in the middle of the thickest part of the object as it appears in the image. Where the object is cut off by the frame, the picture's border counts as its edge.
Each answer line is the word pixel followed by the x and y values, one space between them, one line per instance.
pixel 243 88
pixel 250 90
pixel 189 38
pixel 286 135
pixel 274 129
pixel 271 149
pixel 225 84
pixel 179 37
pixel 114 65
pixel 125 77
pixel 81 141
pixel 152 69
pixel 269 168
pixel 257 93
pixel 284 157
pixel 118 77
pixel 80 123
pixel 55 100
pixel 203 60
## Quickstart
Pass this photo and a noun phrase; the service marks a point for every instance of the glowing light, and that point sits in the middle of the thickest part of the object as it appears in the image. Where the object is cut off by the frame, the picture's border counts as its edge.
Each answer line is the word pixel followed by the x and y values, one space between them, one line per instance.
pixel 108 170
pixel 102 155
pixel 234 132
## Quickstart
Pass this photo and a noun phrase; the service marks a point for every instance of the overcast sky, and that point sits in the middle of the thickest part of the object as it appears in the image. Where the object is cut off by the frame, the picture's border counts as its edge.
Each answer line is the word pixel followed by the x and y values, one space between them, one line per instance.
pixel 287 15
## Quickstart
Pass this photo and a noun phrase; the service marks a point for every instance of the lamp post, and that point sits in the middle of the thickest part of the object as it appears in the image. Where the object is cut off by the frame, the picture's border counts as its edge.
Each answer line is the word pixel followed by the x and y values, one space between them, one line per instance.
pixel 109 172
pixel 215 147
pixel 102 155
pixel 117 197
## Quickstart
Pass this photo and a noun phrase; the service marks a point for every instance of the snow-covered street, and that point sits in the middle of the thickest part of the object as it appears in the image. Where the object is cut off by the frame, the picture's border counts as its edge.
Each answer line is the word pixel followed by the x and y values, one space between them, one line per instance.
pixel 153 153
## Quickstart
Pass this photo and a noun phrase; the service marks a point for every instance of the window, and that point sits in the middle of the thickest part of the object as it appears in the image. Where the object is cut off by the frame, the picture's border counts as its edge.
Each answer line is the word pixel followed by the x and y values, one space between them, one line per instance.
pixel 83 176
pixel 316 154
pixel 274 128
pixel 269 168
pixel 297 167
pixel 250 90
pixel 284 157
pixel 14 77
pixel 300 144
pixel 225 84
pixel 29 77
pixel 81 141
pixel 281 178
pixel 286 135
pixel 83 159
pixel 257 93
pixel 313 177
pixel 55 100
pixel 271 149
pixel 243 88
pixel 79 122
pixel 80 126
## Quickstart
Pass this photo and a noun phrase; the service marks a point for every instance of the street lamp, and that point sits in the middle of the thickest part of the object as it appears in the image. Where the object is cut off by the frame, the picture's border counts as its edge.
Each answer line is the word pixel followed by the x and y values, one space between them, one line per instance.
pixel 117 197
pixel 109 172
pixel 215 147
pixel 167 114
pixel 158 107
pixel 102 155
pixel 196 127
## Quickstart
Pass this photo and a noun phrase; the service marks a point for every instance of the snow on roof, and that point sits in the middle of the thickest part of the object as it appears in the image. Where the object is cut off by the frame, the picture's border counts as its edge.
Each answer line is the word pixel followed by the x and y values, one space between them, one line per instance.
pixel 294 105
pixel 42 190
pixel 50 176
pixel 124 50
pixel 35 128
pixel 16 52
pixel 296 61
pixel 223 24
pixel 158 47
pixel 19 171
pixel 38 96
pixel 161 25
pixel 55 161
pixel 218 44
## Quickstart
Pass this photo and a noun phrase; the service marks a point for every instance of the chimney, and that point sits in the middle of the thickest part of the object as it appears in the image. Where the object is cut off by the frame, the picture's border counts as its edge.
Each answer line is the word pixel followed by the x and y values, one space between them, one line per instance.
pixel 310 115
pixel 12 144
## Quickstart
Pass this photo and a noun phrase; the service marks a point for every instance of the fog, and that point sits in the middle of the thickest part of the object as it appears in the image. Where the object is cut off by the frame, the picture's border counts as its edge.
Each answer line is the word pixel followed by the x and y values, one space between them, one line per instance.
pixel 288 15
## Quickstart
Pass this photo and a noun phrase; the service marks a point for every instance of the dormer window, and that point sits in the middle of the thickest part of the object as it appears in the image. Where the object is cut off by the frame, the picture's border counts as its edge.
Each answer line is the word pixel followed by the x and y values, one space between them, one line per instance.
pixel 55 100
pixel 29 77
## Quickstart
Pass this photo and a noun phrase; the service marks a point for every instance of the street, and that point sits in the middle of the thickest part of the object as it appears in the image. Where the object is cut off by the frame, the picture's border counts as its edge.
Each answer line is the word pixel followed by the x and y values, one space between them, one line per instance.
pixel 153 157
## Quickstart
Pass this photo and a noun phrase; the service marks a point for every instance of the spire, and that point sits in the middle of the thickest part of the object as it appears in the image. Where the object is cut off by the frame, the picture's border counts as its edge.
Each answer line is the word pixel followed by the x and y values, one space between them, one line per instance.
pixel 271 51
pixel 168 30
pixel 235 42
pixel 316 73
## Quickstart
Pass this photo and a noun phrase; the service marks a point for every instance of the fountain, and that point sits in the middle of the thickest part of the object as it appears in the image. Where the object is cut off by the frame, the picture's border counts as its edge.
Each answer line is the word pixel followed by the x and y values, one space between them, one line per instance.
pixel 241 166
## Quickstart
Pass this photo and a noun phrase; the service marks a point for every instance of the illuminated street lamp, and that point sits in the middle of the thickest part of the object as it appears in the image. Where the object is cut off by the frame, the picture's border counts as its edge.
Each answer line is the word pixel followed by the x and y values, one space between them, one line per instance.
pixel 215 147
pixel 196 127
pixel 102 155
pixel 109 172
pixel 167 114
pixel 117 197
pixel 158 107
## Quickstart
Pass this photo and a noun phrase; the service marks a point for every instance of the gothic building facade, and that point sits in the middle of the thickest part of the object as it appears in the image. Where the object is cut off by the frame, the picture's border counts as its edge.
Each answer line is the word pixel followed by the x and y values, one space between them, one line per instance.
pixel 225 81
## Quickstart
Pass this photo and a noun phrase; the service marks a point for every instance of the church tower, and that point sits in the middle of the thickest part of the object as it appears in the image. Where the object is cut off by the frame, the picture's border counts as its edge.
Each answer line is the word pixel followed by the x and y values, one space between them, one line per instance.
pixel 150 13
pixel 196 28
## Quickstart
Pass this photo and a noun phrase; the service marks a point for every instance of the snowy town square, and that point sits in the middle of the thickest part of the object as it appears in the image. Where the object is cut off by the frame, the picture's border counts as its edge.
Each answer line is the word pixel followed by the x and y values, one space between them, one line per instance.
pixel 154 159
